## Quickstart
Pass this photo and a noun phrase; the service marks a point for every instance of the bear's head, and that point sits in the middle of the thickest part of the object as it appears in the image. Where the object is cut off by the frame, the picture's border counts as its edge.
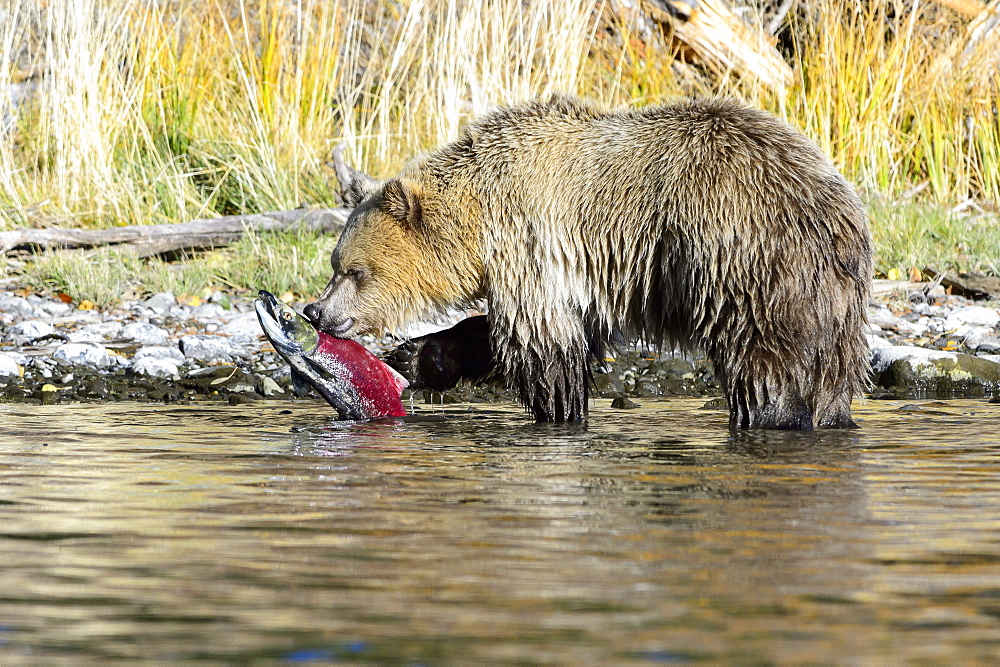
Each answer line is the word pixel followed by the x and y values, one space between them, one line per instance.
pixel 400 257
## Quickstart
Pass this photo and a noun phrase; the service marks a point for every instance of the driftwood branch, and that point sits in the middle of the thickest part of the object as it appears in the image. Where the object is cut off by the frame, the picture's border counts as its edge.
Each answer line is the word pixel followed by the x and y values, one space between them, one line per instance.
pixel 722 40
pixel 148 240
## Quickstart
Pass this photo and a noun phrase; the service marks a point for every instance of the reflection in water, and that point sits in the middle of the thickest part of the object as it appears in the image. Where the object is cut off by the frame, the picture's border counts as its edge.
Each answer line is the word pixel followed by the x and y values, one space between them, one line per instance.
pixel 239 533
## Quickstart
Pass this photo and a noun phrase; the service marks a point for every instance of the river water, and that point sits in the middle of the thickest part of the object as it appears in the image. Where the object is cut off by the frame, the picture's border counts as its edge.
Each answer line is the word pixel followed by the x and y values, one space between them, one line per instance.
pixel 270 532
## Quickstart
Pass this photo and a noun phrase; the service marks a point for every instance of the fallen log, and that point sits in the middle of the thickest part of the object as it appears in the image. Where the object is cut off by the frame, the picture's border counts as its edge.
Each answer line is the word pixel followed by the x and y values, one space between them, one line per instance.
pixel 722 40
pixel 976 286
pixel 149 240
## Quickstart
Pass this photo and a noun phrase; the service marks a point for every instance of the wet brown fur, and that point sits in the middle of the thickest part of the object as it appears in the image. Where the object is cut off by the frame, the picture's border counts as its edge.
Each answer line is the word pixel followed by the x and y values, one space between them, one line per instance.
pixel 703 225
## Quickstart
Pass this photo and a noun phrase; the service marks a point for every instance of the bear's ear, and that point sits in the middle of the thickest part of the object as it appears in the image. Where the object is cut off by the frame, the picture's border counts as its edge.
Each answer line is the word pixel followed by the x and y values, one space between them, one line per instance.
pixel 402 201
pixel 355 186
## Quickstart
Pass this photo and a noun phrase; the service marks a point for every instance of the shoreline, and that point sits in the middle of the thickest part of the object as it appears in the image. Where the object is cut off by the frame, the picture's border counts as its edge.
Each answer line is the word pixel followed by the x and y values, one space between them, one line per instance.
pixel 925 344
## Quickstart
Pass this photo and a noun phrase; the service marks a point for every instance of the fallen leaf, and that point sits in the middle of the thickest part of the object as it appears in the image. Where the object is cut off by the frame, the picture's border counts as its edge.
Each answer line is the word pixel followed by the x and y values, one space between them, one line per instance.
pixel 189 300
pixel 86 304
pixel 287 297
pixel 892 274
pixel 49 387
pixel 65 298
pixel 915 275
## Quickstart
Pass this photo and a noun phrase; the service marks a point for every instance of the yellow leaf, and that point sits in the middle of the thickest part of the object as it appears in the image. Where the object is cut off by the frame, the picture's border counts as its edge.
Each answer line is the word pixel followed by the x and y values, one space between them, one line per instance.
pixel 287 297
pixel 49 387
pixel 189 300
pixel 892 274
pixel 86 304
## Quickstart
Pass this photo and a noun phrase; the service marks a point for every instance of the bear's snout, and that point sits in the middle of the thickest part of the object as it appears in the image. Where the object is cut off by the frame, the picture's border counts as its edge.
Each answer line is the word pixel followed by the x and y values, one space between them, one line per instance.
pixel 327 322
pixel 313 313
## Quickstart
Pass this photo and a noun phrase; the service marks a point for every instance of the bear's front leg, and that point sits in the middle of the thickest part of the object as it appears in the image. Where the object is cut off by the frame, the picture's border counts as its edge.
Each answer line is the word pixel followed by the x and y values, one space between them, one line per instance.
pixel 438 361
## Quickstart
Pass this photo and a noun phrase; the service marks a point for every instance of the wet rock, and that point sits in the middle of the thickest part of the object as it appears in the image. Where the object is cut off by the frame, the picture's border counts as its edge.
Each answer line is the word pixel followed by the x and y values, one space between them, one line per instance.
pixel 243 398
pixel 622 403
pixel 220 378
pixel 84 354
pixel 934 373
pixel 210 348
pixel 716 404
pixel 268 387
pixel 144 333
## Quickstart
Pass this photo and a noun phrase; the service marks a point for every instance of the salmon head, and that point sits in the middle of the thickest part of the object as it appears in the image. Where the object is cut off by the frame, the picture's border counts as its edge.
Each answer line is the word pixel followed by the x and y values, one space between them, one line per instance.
pixel 349 377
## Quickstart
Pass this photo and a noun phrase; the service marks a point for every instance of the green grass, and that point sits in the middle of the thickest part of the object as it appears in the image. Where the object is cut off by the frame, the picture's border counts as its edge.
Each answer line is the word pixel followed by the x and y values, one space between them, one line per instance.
pixel 922 235
pixel 296 262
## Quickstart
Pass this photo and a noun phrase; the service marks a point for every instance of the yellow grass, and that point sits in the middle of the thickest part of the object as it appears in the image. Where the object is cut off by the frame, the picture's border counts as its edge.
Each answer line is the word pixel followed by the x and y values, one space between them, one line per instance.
pixel 152 112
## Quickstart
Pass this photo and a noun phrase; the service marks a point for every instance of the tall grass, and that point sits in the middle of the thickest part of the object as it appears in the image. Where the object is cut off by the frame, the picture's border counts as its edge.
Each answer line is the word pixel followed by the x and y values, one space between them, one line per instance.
pixel 152 112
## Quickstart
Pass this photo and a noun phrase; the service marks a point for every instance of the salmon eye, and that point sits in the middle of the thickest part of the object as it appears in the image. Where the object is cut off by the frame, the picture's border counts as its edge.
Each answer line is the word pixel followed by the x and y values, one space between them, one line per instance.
pixel 286 316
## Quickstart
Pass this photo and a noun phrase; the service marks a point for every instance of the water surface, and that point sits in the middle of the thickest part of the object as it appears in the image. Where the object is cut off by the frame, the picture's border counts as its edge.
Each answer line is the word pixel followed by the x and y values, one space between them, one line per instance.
pixel 271 532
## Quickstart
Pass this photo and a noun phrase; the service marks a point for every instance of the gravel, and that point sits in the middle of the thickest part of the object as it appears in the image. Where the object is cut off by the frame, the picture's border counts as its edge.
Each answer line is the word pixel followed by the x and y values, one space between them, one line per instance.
pixel 925 343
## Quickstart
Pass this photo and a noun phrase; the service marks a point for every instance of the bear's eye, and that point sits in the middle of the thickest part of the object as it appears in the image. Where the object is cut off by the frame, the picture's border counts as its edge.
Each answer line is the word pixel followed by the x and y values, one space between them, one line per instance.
pixel 355 274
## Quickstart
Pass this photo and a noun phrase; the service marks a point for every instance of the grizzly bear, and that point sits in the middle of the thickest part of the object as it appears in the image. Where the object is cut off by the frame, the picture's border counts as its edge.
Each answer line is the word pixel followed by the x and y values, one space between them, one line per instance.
pixel 701 225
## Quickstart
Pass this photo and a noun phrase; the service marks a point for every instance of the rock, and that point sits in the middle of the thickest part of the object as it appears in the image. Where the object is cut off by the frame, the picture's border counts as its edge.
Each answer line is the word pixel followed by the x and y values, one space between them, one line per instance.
pixel 9 366
pixel 84 337
pixel 208 311
pixel 877 341
pixel 269 387
pixel 976 316
pixel 84 354
pixel 933 373
pixel 29 330
pixel 144 333
pixel 220 378
pixel 210 348
pixel 160 303
pixel 243 326
pixel 159 352
pixel 110 329
pixel 243 398
pixel 17 306
pixel 54 308
pixel 883 318
pixel 989 343
pixel 622 403
pixel 156 367
pixel 716 404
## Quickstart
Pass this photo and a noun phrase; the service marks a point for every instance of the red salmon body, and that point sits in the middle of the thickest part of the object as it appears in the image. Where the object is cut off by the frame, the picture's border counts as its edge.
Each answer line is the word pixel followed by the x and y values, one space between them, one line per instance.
pixel 378 385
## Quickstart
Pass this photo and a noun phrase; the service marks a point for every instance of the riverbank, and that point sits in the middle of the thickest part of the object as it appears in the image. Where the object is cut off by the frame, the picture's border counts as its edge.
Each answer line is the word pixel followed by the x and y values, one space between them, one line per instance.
pixel 925 343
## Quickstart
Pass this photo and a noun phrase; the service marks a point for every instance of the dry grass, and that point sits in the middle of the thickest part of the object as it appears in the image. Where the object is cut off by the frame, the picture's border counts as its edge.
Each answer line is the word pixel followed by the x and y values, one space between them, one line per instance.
pixel 161 112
